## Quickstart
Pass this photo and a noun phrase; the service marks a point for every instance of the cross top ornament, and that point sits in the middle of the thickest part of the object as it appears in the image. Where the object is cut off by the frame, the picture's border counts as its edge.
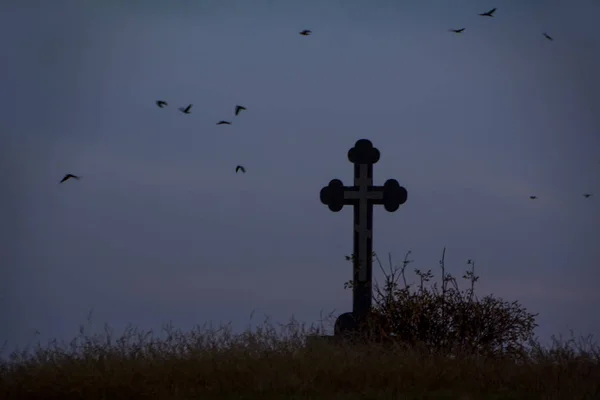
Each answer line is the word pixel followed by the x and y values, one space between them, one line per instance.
pixel 362 196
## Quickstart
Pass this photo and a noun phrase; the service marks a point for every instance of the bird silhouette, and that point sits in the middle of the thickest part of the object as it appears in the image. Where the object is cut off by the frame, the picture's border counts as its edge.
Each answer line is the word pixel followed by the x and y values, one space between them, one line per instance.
pixel 238 109
pixel 457 30
pixel 161 103
pixel 240 168
pixel 185 110
pixel 533 197
pixel 547 36
pixel 223 123
pixel 489 13
pixel 69 176
pixel 586 195
pixel 305 32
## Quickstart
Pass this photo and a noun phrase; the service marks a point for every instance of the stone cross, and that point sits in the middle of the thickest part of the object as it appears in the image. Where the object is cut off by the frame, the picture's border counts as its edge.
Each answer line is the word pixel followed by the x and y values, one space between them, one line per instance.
pixel 362 196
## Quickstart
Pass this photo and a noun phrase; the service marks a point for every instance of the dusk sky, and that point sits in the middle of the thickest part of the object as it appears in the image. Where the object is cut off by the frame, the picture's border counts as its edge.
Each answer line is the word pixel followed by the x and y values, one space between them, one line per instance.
pixel 160 227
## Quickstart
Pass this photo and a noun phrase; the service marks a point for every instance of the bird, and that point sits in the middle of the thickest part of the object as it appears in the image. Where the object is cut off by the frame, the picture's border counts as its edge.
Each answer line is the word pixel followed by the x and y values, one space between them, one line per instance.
pixel 457 30
pixel 533 197
pixel 305 32
pixel 69 176
pixel 161 103
pixel 489 13
pixel 185 110
pixel 586 195
pixel 240 168
pixel 223 123
pixel 238 109
pixel 547 36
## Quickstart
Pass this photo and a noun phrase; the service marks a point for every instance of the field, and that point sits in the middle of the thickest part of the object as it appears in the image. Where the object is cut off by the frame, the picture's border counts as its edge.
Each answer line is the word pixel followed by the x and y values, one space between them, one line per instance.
pixel 272 362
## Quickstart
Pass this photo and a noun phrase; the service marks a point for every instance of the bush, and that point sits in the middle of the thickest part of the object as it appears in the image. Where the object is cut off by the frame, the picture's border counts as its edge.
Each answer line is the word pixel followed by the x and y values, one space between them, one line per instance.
pixel 445 319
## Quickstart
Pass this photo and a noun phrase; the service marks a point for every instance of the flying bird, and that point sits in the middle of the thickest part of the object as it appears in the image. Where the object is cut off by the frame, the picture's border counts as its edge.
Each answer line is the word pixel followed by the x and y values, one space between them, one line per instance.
pixel 185 110
pixel 238 109
pixel 240 168
pixel 586 195
pixel 305 32
pixel 69 176
pixel 223 123
pixel 489 13
pixel 533 197
pixel 547 36
pixel 457 30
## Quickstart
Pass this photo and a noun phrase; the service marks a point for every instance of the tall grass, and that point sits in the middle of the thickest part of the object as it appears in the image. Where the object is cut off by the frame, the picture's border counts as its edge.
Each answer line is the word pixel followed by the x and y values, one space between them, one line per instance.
pixel 273 361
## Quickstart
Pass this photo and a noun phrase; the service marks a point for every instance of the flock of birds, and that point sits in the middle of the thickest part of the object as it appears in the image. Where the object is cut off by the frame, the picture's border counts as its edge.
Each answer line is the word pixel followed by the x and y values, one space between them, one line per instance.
pixel 239 108
pixel 185 110
pixel 490 13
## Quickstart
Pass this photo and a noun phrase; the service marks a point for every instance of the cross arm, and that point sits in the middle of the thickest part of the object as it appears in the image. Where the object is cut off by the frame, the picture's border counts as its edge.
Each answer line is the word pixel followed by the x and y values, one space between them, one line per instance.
pixel 333 196
pixel 392 195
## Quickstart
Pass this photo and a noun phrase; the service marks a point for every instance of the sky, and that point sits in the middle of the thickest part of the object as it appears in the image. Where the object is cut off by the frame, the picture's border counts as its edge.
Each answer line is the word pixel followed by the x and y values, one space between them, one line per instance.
pixel 161 229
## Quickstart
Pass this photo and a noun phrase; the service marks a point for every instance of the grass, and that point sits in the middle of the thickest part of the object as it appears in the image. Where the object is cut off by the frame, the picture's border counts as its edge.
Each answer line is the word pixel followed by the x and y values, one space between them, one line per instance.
pixel 275 362
pixel 272 362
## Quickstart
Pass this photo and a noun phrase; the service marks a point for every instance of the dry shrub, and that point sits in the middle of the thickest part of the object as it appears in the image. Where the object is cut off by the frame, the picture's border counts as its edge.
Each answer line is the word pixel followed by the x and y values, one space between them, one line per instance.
pixel 445 319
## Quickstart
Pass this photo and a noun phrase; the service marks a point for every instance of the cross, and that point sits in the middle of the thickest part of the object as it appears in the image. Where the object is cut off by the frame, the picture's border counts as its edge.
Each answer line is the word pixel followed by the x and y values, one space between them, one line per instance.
pixel 362 196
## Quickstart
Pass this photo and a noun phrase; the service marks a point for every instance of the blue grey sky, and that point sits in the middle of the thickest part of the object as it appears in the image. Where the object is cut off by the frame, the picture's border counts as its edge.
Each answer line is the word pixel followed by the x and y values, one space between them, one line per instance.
pixel 160 227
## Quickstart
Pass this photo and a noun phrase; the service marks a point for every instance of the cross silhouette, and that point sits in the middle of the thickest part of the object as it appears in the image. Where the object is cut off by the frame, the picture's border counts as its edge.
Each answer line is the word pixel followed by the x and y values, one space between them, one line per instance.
pixel 362 196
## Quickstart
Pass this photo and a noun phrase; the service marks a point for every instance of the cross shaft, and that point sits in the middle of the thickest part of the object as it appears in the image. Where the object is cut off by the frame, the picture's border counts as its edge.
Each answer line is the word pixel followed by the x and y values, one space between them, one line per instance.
pixel 362 196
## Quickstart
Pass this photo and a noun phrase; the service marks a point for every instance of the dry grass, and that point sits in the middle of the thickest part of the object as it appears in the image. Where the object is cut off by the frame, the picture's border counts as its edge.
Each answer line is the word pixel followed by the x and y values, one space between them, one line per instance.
pixel 273 363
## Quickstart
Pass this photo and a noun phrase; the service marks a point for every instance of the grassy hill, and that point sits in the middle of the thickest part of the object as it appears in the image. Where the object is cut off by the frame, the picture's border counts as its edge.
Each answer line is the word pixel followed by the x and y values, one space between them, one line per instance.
pixel 439 343
pixel 274 363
